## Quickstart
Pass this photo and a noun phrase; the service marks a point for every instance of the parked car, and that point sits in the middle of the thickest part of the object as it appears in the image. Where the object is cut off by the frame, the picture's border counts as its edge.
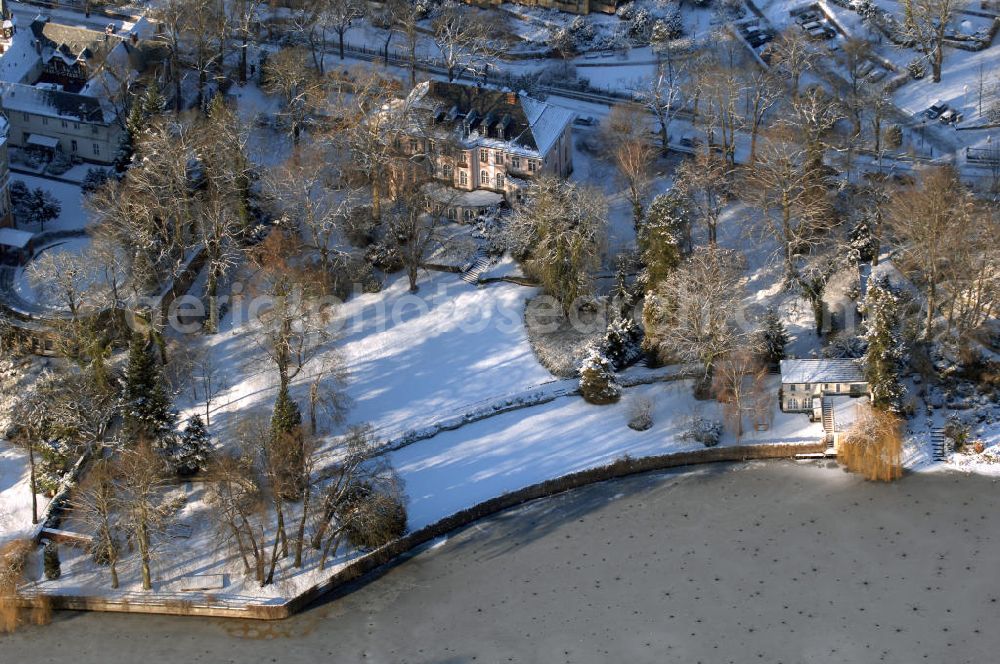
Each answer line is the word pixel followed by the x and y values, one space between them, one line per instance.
pixel 935 110
pixel 950 116
pixel 585 121
pixel 807 17
pixel 759 39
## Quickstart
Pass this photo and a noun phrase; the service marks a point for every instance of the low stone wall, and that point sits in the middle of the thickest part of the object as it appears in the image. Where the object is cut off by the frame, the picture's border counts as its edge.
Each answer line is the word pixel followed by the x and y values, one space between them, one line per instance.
pixel 392 551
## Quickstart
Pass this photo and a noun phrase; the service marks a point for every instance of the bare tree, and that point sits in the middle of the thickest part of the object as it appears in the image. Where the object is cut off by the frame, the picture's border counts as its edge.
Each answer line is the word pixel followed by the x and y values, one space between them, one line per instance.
pixel 96 502
pixel 358 484
pixel 467 40
pixel 927 23
pixel 761 92
pixel 632 154
pixel 922 217
pixel 730 385
pixel 306 191
pixel 704 182
pixel 140 474
pixel 561 232
pixel 302 90
pixel 691 315
pixel 665 96
pixel 795 55
pixel 415 225
pixel 243 17
pixel 794 200
pixel 292 330
pixel 339 15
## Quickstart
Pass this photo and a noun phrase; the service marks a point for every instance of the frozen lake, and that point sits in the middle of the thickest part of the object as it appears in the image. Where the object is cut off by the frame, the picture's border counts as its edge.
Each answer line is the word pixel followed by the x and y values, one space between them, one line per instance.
pixel 768 562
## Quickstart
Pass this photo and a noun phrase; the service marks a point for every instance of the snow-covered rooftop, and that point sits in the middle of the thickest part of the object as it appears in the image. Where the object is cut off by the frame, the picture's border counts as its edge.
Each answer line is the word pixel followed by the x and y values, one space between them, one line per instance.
pixel 11 237
pixel 489 117
pixel 55 103
pixel 821 371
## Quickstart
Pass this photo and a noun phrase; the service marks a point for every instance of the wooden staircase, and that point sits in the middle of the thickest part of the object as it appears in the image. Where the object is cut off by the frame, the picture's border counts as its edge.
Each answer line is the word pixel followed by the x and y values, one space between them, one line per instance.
pixel 827 416
pixel 939 445
pixel 479 264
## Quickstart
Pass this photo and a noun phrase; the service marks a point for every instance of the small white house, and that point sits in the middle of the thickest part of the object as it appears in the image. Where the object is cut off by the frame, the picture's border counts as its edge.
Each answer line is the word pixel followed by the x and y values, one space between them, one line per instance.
pixel 804 383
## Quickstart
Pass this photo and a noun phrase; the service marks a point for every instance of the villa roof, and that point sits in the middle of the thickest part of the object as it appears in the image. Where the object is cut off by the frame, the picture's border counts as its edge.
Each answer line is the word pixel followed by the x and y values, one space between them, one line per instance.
pixel 821 371
pixel 54 103
pixel 488 117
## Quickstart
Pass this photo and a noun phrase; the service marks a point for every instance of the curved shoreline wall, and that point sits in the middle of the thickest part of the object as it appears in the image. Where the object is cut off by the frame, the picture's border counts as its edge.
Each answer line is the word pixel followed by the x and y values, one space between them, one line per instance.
pixel 278 608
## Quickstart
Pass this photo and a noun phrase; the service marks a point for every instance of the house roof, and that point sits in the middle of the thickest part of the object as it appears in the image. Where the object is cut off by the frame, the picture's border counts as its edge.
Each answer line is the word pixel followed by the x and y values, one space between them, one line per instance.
pixel 11 237
pixel 489 117
pixel 54 103
pixel 821 371
pixel 72 43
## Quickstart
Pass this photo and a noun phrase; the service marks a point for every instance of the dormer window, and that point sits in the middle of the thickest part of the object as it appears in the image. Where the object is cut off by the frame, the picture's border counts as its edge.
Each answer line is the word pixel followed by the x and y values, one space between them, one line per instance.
pixel 532 165
pixel 515 162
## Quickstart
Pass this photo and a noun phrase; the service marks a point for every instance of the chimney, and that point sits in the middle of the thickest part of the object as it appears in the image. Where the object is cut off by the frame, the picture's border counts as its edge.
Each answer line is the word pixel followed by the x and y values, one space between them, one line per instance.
pixel 511 97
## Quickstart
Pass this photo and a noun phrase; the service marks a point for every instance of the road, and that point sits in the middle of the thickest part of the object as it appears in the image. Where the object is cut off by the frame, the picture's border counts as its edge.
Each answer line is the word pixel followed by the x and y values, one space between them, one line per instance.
pixel 770 562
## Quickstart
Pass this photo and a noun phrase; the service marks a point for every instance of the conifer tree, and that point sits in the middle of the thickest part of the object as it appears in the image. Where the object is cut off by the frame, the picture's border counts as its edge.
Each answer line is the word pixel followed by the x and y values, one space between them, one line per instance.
pixel 861 242
pixel 621 344
pixel 145 405
pixel 886 354
pixel 50 558
pixel 771 338
pixel 661 238
pixel 597 380
pixel 194 448
pixel 286 444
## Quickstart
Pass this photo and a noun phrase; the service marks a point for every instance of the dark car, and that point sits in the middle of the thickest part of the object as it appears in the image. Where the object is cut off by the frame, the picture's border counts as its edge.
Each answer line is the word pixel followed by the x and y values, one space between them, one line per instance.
pixel 935 110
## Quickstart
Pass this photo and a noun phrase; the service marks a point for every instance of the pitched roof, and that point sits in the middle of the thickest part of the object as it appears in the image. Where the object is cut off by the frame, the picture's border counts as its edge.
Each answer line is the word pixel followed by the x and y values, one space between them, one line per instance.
pixel 488 114
pixel 72 43
pixel 54 103
pixel 821 371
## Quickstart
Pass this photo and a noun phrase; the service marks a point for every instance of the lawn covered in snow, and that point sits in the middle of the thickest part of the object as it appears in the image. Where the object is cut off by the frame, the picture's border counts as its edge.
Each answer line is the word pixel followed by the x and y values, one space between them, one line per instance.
pixel 15 495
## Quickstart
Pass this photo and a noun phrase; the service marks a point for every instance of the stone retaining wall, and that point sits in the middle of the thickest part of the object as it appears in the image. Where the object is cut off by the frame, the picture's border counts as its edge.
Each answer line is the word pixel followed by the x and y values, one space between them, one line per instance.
pixel 392 551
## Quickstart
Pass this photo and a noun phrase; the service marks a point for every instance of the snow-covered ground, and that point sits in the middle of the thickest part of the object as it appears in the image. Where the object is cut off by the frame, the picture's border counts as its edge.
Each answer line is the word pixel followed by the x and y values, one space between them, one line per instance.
pixel 15 495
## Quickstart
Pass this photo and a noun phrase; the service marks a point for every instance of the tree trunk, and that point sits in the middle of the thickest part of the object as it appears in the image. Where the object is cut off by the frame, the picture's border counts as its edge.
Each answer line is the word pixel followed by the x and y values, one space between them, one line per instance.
pixel 243 60
pixel 300 536
pixel 32 486
pixel 274 550
pixel 340 35
pixel 143 537
pixel 929 324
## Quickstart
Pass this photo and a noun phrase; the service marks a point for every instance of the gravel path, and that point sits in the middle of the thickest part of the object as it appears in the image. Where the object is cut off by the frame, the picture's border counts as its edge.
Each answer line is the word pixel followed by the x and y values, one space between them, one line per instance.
pixel 764 562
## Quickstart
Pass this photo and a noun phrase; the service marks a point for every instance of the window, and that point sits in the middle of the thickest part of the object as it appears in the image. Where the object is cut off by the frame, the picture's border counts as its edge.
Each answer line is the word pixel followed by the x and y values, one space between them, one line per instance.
pixel 515 162
pixel 25 116
pixel 463 178
pixel 93 129
pixel 65 124
pixel 413 145
pixel 76 125
pixel 73 145
pixel 97 149
pixel 447 171
pixel 469 214
pixel 498 156
pixel 45 121
pixel 499 180
pixel 484 178
pixel 484 156
pixel 793 404
pixel 531 165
